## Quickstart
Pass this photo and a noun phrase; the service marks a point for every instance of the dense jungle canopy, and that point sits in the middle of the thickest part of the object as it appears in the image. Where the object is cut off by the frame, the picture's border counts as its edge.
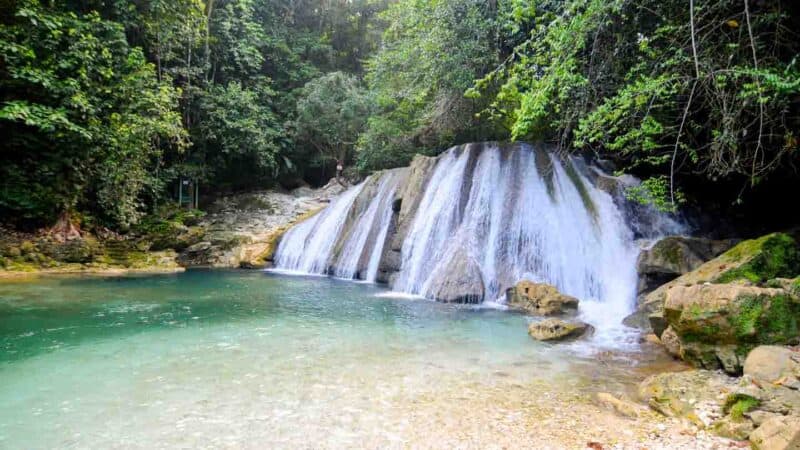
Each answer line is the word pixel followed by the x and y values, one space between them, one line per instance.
pixel 105 104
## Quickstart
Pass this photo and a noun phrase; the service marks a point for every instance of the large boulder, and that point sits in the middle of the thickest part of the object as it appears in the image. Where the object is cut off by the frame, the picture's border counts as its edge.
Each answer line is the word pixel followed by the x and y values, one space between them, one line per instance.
pixel 772 256
pixel 774 364
pixel 777 433
pixel 718 324
pixel 673 256
pixel 557 330
pixel 459 281
pixel 540 299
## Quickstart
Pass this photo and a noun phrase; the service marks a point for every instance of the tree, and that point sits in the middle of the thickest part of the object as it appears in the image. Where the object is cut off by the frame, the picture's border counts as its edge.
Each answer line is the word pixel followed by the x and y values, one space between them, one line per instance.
pixel 431 54
pixel 669 89
pixel 331 113
pixel 86 119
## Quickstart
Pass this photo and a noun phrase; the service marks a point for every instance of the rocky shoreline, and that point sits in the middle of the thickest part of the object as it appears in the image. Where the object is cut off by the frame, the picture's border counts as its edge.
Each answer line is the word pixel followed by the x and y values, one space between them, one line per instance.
pixel 238 231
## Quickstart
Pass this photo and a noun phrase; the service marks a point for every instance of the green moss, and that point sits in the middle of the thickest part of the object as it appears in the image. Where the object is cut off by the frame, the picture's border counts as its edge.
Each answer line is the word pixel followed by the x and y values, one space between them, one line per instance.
pixel 766 320
pixel 738 405
pixel 772 256
pixel 671 252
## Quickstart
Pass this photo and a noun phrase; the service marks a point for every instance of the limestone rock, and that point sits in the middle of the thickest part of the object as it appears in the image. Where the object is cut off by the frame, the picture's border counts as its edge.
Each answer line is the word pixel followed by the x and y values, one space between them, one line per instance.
pixel 717 324
pixel 623 407
pixel 777 433
pixel 540 299
pixel 671 342
pixel 736 429
pixel 673 256
pixel 244 230
pixel 773 364
pixel 557 330
pixel 757 260
pixel 696 395
pixel 459 281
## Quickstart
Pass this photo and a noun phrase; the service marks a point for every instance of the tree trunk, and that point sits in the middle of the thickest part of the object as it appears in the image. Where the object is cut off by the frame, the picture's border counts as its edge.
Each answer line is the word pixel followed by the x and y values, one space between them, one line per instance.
pixel 65 229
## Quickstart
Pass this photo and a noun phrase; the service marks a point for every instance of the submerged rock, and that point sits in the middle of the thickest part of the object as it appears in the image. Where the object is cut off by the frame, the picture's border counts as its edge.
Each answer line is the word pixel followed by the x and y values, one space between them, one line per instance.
pixel 540 299
pixel 558 330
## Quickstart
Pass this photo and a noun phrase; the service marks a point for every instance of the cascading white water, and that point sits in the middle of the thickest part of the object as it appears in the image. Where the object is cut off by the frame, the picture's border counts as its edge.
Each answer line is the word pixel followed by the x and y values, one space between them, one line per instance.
pixel 488 217
pixel 347 238
pixel 374 223
pixel 308 247
pixel 516 223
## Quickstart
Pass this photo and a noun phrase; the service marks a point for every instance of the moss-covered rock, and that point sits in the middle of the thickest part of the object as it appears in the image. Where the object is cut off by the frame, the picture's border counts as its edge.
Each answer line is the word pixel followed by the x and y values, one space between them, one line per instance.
pixel 752 261
pixel 716 325
pixel 771 256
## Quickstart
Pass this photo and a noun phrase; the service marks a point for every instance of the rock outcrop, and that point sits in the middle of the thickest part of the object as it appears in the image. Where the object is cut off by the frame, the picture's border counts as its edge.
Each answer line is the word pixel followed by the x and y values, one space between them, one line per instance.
pixel 244 230
pixel 758 406
pixel 558 330
pixel 716 325
pixel 673 256
pixel 540 299
pixel 667 259
pixel 754 261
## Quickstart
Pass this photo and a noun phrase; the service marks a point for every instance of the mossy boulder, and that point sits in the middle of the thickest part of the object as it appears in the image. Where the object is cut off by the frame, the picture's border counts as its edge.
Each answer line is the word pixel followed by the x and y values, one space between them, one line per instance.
pixel 753 261
pixel 716 325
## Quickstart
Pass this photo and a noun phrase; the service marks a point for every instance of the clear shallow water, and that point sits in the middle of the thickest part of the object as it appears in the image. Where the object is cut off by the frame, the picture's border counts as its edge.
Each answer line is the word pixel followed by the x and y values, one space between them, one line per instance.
pixel 246 359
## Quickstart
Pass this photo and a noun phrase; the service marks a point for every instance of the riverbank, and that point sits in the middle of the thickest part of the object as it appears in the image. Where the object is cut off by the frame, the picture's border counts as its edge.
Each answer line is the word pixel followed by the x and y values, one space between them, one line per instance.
pixel 236 231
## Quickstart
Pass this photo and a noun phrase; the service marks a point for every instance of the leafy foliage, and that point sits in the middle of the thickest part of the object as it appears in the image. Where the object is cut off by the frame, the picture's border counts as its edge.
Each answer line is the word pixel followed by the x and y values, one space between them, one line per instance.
pixel 665 88
pixel 86 118
pixel 331 114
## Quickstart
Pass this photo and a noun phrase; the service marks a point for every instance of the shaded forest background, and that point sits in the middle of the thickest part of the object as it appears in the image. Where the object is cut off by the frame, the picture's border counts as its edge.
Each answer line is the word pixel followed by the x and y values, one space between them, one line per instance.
pixel 105 104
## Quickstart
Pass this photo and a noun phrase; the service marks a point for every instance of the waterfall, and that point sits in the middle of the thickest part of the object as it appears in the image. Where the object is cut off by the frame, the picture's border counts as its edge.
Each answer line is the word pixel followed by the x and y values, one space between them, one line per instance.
pixel 374 223
pixel 516 218
pixel 308 247
pixel 472 222
pixel 347 238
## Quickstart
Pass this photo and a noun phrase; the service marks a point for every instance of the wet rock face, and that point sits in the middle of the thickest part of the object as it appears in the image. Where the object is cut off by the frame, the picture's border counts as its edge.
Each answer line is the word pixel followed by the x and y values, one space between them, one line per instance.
pixel 717 324
pixel 558 330
pixel 540 299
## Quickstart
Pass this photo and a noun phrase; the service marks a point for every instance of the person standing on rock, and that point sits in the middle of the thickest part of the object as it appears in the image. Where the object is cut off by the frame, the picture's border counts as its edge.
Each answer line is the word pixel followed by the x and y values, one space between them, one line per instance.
pixel 339 169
